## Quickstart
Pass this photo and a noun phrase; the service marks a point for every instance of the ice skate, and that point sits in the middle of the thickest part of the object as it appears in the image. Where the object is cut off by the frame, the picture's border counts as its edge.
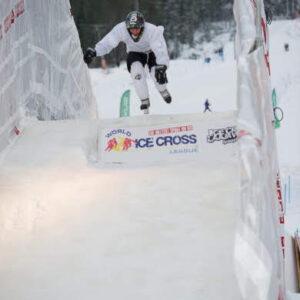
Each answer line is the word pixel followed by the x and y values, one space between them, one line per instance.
pixel 145 106
pixel 166 96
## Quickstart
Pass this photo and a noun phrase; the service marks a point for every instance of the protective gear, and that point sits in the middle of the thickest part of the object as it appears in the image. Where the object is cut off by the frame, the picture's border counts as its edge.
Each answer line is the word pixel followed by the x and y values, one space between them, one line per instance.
pixel 135 20
pixel 139 78
pixel 145 105
pixel 166 96
pixel 153 40
pixel 89 55
pixel 162 88
pixel 160 74
pixel 151 50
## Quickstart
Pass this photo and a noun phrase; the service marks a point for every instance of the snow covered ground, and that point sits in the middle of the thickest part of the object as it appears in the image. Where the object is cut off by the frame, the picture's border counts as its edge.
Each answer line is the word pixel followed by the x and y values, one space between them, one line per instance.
pixel 70 227
pixel 286 80
pixel 190 83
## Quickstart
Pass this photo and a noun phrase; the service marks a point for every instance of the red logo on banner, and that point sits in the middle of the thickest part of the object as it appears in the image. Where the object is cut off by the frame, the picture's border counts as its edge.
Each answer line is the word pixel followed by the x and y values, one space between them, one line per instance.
pixel 20 8
pixel 119 144
pixel 243 133
pixel 10 19
pixel 111 145
pixel 281 294
pixel 169 130
pixel 17 131
pixel 264 28
pixel 281 211
pixel 13 15
pixel 267 61
pixel 254 3
pixel 267 56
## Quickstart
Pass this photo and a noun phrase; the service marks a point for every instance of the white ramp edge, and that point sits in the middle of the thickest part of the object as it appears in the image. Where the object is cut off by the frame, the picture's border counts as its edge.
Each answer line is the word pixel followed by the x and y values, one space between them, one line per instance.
pixel 155 138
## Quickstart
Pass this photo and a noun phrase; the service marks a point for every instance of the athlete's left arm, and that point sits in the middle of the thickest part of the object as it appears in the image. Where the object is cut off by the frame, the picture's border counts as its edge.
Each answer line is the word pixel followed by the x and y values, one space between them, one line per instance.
pixel 159 46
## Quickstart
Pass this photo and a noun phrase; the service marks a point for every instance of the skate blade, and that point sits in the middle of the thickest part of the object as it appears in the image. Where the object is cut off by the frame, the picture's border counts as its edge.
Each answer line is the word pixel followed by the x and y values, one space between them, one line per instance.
pixel 146 111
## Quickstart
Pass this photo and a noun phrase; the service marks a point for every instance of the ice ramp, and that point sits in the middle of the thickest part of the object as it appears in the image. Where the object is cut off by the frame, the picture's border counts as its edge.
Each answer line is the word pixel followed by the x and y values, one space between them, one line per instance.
pixel 72 229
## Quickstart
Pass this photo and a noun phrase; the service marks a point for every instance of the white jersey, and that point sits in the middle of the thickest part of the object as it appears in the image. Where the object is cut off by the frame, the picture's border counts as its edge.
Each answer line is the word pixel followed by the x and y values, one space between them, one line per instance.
pixel 152 39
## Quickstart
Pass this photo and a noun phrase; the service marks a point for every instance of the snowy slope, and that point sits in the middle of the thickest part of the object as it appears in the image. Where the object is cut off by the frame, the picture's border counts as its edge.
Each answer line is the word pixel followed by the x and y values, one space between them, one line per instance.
pixel 190 83
pixel 69 228
pixel 286 80
pixel 73 229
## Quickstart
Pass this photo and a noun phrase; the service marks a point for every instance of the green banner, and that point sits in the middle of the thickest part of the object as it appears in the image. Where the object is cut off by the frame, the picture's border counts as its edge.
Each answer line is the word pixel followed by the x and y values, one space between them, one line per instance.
pixel 125 104
pixel 274 101
pixel 274 98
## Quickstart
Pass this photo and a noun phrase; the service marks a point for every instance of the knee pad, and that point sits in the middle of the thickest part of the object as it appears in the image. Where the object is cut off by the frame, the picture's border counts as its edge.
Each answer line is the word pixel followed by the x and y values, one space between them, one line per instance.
pixel 137 71
pixel 138 75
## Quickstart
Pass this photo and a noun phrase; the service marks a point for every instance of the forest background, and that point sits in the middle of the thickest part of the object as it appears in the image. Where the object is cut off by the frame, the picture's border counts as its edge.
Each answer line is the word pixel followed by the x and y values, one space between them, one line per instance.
pixel 181 19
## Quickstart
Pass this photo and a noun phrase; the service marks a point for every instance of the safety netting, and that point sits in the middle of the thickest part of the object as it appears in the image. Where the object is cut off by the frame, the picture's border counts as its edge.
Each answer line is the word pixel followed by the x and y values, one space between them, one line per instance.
pixel 42 73
pixel 259 246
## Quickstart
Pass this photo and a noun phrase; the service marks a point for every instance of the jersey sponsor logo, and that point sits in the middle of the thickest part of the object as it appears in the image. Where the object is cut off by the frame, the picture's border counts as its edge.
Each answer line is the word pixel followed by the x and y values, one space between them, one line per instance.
pixel 226 135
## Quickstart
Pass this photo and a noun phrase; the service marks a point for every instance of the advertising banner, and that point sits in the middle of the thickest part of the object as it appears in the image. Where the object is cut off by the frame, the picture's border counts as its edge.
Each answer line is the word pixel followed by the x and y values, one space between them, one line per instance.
pixel 125 104
pixel 168 138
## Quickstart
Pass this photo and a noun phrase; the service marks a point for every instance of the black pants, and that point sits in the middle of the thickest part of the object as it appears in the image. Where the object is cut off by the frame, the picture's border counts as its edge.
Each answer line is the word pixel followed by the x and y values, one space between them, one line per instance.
pixel 143 58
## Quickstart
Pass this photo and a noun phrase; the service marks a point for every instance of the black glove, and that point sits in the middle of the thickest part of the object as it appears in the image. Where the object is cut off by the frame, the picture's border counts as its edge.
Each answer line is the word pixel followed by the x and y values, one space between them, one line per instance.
pixel 89 54
pixel 160 74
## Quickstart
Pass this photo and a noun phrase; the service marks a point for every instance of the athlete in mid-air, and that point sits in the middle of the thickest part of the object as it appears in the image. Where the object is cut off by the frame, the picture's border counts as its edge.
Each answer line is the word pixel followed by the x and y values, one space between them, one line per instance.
pixel 145 45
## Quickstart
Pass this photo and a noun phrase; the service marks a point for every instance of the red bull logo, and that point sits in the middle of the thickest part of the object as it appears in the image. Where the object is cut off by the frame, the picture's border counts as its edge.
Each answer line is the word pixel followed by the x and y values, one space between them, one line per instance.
pixel 119 144
pixel 119 140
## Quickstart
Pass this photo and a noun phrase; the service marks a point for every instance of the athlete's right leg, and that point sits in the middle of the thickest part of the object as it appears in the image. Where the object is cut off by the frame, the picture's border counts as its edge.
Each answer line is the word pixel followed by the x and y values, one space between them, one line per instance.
pixel 161 87
pixel 135 64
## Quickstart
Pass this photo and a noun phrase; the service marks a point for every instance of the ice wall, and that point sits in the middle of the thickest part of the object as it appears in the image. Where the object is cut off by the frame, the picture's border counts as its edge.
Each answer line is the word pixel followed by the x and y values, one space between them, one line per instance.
pixel 42 73
pixel 259 241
